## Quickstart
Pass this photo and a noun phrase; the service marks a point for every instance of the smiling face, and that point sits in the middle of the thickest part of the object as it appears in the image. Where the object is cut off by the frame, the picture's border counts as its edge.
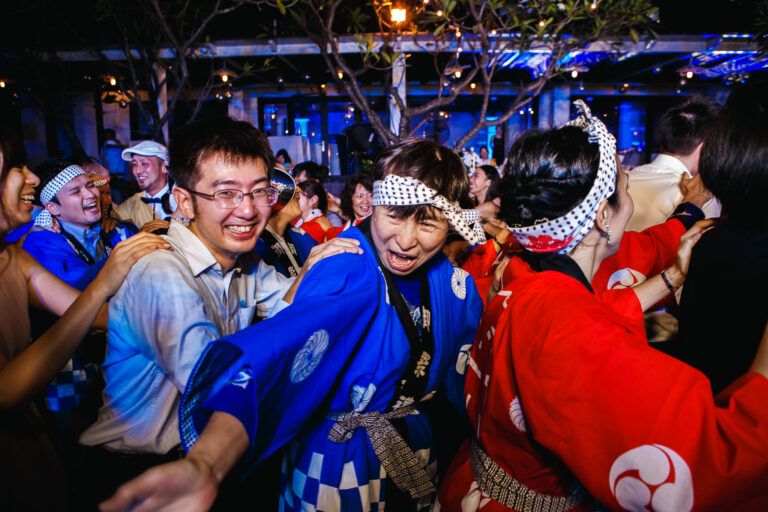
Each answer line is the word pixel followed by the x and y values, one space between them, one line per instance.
pixel 78 202
pixel 361 202
pixel 150 173
pixel 227 233
pixel 405 244
pixel 479 185
pixel 18 195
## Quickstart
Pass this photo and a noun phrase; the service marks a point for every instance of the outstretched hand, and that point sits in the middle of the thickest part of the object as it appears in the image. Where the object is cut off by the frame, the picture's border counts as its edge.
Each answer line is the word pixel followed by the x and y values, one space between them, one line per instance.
pixel 687 241
pixel 186 485
pixel 124 255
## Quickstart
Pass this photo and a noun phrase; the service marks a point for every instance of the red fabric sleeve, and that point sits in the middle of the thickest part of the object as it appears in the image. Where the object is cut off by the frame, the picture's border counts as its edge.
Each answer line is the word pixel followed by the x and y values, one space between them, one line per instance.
pixel 333 232
pixel 634 425
pixel 641 255
pixel 315 230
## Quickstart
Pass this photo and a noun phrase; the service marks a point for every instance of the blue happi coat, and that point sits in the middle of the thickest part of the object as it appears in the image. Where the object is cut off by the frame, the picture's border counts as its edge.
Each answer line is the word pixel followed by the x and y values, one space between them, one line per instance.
pixel 340 347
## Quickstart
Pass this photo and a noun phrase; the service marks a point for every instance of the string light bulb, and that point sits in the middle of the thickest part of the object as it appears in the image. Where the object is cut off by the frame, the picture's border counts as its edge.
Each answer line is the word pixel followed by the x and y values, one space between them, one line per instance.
pixel 542 23
pixel 574 74
pixel 593 5
pixel 472 85
pixel 112 81
pixel 398 15
pixel 2 84
pixel 440 13
pixel 340 74
pixel 457 73
pixel 689 75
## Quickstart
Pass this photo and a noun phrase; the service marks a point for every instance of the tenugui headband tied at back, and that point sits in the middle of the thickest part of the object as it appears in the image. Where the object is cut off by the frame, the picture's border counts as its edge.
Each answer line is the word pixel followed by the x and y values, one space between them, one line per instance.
pixel 44 219
pixel 406 191
pixel 561 235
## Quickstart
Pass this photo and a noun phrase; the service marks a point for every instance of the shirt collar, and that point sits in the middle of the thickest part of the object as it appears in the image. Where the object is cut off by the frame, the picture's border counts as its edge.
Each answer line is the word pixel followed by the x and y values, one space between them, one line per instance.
pixel 669 162
pixel 159 194
pixel 195 251
pixel 78 231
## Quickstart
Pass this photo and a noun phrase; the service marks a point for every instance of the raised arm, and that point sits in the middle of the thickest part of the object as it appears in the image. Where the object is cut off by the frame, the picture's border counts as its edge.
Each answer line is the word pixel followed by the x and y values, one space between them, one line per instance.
pixel 37 365
pixel 655 288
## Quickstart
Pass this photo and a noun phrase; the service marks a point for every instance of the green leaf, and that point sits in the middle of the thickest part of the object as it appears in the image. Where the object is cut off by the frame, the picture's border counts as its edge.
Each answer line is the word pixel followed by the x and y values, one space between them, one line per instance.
pixel 280 6
pixel 634 35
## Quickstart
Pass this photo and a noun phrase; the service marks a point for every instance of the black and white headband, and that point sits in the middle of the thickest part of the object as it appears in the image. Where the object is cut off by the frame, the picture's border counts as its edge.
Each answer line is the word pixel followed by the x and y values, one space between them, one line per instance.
pixel 406 191
pixel 44 219
pixel 561 235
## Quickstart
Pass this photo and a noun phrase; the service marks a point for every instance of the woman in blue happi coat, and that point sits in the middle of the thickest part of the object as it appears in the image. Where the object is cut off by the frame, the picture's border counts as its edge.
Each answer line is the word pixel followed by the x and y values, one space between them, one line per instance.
pixel 341 377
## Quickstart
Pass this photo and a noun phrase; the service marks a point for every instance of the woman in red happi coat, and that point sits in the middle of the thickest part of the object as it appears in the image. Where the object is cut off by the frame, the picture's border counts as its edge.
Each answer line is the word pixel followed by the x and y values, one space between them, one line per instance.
pixel 570 406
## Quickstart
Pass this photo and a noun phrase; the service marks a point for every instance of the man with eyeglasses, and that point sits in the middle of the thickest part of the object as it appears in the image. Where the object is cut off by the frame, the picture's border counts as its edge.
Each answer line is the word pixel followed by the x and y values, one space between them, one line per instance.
pixel 211 285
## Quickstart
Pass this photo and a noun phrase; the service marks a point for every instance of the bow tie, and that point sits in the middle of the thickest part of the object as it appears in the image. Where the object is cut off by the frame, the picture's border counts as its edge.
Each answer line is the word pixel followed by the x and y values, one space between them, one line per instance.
pixel 152 200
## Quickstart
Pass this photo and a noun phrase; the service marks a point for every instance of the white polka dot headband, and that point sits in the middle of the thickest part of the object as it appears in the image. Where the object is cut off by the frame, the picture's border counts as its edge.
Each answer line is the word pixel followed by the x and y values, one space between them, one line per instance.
pixel 561 235
pixel 44 219
pixel 407 191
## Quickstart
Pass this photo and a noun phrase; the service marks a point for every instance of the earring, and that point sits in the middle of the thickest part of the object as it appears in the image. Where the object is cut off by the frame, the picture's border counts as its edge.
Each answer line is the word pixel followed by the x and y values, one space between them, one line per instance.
pixel 607 234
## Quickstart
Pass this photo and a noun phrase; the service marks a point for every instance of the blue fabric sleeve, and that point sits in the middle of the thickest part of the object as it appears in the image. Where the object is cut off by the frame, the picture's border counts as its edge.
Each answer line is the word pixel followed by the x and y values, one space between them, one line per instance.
pixel 687 213
pixel 465 330
pixel 55 254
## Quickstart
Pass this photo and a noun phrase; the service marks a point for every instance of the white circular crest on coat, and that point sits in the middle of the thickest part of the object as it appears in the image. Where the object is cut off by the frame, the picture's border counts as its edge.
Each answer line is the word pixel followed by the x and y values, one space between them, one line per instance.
pixel 625 278
pixel 516 414
pixel 309 356
pixel 463 359
pixel 475 499
pixel 652 477
pixel 459 282
pixel 361 396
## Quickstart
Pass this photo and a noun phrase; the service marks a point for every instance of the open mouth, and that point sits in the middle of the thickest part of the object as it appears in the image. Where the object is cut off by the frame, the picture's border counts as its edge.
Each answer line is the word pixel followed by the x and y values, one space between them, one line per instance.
pixel 400 262
pixel 241 232
pixel 141 178
pixel 92 208
pixel 28 198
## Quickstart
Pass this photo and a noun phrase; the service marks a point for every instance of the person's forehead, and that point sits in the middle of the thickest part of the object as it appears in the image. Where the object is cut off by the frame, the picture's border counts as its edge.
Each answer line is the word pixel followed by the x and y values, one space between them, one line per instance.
pixel 219 170
pixel 143 158
pixel 360 188
pixel 77 182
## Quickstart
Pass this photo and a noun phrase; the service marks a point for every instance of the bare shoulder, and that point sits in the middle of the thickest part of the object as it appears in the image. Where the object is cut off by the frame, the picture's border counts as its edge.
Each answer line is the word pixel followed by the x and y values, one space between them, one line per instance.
pixel 28 264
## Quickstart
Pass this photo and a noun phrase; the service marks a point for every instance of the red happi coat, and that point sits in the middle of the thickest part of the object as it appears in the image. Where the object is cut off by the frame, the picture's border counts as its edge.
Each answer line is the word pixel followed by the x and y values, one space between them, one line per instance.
pixel 561 386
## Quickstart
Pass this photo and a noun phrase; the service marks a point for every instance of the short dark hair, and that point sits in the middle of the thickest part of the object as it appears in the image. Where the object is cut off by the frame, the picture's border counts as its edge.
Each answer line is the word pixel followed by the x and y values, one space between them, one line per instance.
pixel 349 190
pixel 548 174
pixel 436 166
pixel 311 169
pixel 13 154
pixel 734 159
pixel 312 188
pixel 235 141
pixel 684 126
pixel 109 134
pixel 48 170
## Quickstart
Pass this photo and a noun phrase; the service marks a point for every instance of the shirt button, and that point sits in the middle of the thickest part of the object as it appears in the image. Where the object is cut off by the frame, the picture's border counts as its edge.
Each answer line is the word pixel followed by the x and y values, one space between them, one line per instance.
pixel 243 303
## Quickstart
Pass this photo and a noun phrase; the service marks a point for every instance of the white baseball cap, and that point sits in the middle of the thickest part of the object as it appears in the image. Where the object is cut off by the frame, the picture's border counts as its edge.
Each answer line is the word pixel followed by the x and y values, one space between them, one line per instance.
pixel 146 148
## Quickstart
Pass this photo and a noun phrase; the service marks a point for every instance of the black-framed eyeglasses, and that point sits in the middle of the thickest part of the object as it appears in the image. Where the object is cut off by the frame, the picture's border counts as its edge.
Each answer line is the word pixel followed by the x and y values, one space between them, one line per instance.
pixel 229 199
